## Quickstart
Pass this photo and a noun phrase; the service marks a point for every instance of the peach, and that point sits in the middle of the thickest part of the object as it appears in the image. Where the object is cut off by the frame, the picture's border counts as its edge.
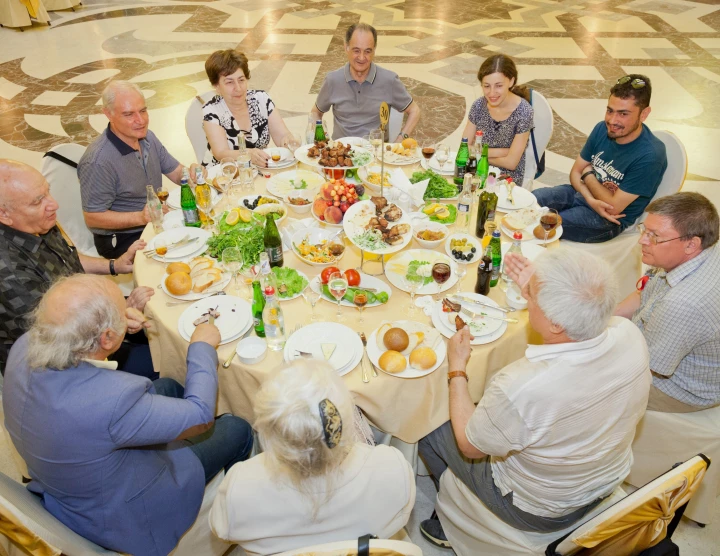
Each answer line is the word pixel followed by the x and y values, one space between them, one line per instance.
pixel 319 206
pixel 333 215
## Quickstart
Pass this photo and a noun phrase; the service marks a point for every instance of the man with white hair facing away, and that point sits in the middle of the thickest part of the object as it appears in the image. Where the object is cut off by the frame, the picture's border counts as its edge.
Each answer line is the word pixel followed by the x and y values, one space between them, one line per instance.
pixel 551 436
pixel 117 167
pixel 120 460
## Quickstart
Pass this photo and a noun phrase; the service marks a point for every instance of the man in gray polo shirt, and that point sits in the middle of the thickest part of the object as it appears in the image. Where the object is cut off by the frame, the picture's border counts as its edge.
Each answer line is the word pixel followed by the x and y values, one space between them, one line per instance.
pixel 117 167
pixel 355 91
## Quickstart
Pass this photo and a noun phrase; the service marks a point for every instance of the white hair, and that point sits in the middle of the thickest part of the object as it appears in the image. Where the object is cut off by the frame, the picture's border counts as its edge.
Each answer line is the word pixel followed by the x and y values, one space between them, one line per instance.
pixel 290 430
pixel 112 89
pixel 577 291
pixel 61 344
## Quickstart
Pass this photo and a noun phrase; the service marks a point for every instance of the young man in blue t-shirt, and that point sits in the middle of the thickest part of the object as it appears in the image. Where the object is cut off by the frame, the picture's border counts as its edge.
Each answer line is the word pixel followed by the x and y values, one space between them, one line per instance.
pixel 618 170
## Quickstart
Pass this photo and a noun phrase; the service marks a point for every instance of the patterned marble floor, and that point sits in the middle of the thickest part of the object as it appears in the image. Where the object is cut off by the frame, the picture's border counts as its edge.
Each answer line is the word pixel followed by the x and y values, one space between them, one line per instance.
pixel 572 51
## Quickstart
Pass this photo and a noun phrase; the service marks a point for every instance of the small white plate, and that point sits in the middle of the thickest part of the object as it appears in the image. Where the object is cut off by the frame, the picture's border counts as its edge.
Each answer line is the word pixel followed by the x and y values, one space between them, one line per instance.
pixel 432 340
pixel 442 324
pixel 175 235
pixel 302 275
pixel 529 237
pixel 311 337
pixel 472 240
pixel 192 296
pixel 279 185
pixel 522 197
pixel 400 159
pixel 365 280
pixel 235 316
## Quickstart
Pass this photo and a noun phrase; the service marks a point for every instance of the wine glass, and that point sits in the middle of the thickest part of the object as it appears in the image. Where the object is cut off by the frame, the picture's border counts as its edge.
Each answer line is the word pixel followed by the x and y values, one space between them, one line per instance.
pixel 228 167
pixel 549 222
pixel 337 284
pixel 441 273
pixel 163 195
pixel 203 200
pixel 161 247
pixel 376 139
pixel 413 282
pixel 312 297
pixel 428 150
pixel 442 154
pixel 460 273
pixel 232 260
pixel 360 299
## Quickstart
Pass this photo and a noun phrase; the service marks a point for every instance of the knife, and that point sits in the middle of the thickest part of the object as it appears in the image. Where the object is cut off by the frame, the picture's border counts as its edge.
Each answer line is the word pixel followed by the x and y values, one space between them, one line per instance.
pixel 468 300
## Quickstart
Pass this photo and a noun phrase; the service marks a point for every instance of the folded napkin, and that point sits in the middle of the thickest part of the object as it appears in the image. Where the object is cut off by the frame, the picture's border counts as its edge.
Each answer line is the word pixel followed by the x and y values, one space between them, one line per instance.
pixel 401 183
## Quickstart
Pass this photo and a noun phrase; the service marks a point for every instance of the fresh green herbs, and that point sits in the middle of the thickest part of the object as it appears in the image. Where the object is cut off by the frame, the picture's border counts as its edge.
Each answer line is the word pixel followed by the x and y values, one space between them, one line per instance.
pixel 248 239
pixel 438 187
pixel 360 158
pixel 294 283
pixel 370 240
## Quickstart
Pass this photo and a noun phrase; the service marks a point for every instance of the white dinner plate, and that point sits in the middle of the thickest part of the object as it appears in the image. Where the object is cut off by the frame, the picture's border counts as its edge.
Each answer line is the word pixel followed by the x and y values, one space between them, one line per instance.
pixel 433 164
pixel 359 141
pixel 173 200
pixel 432 340
pixel 314 236
pixel 173 219
pixel 396 267
pixel 348 347
pixel 529 237
pixel 183 251
pixel 365 280
pixel 522 197
pixel 472 240
pixel 295 296
pixel 192 296
pixel 442 324
pixel 301 156
pixel 358 215
pixel 280 184
pixel 400 159
pixel 235 316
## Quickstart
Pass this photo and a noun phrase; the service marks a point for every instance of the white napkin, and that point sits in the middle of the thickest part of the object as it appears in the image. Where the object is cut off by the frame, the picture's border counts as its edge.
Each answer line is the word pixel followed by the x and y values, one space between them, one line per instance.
pixel 415 190
pixel 291 226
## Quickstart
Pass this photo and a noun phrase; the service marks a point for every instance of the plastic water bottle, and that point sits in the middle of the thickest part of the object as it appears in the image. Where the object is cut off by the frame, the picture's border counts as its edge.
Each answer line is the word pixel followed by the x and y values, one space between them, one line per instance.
pixel 514 248
pixel 273 321
pixel 465 204
pixel 155 209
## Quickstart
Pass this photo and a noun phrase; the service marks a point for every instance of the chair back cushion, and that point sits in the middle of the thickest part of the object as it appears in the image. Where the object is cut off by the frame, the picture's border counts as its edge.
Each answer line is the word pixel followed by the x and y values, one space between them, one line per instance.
pixel 543 129
pixel 677 163
pixel 65 188
pixel 194 125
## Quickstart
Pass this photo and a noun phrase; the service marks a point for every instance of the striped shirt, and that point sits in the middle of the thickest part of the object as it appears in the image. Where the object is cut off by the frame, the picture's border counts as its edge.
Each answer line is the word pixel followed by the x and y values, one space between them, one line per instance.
pixel 679 315
pixel 113 175
pixel 559 423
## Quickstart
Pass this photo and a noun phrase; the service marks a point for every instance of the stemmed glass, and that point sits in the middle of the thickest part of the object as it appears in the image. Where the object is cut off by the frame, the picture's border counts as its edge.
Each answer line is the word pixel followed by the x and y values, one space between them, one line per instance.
pixel 442 154
pixel 232 260
pixel 163 195
pixel 549 222
pixel 312 297
pixel 337 284
pixel 360 299
pixel 376 138
pixel 460 273
pixel 161 247
pixel 413 282
pixel 228 167
pixel 203 200
pixel 441 273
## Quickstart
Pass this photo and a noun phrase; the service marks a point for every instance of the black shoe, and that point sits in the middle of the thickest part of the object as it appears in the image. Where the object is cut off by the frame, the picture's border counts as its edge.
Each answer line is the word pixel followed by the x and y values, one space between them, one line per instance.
pixel 432 530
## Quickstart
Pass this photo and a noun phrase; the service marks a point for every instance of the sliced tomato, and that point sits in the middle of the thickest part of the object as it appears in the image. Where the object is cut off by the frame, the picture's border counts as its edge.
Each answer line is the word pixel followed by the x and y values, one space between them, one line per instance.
pixel 353 277
pixel 325 274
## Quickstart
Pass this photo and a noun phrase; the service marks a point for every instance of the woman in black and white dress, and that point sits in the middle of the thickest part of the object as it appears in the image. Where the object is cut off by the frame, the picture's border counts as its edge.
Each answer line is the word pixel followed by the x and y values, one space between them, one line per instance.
pixel 235 110
pixel 503 114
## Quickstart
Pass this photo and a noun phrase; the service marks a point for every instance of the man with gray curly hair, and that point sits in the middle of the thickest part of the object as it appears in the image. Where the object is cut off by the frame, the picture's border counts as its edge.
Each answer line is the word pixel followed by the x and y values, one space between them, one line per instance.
pixel 120 460
pixel 552 434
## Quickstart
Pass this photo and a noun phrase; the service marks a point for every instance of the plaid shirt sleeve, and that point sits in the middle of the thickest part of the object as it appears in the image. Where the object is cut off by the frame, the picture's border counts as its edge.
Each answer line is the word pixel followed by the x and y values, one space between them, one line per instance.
pixel 20 291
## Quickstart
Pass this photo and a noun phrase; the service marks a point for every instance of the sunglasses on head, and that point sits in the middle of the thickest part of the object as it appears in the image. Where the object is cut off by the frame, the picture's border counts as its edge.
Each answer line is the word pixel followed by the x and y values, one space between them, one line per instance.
pixel 634 83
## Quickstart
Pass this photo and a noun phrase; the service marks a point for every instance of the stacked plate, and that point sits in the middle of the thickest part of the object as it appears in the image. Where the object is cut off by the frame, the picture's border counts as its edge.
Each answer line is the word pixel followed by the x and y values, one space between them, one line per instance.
pixel 484 330
pixel 235 317
pixel 286 158
pixel 182 252
pixel 522 198
pixel 330 341
pixel 447 169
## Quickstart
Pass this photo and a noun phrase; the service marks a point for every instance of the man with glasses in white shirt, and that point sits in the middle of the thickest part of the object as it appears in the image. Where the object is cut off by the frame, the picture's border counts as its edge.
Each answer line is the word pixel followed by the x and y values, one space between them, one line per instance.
pixel 677 305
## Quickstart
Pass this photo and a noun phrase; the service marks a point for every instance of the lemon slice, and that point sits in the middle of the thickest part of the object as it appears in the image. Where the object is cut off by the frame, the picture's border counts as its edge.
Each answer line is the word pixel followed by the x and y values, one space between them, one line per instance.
pixel 233 217
pixel 245 214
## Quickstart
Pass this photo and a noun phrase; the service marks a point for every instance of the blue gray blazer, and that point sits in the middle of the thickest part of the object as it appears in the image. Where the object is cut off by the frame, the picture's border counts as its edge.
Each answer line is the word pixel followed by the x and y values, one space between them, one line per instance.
pixel 98 445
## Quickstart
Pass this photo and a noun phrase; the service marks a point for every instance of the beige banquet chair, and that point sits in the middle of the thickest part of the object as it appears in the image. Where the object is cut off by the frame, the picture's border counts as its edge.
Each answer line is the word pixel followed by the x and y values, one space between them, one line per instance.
pixel 623 252
pixel 194 124
pixel 59 167
pixel 21 13
pixel 378 547
pixel 543 125
pixel 662 439
pixel 643 522
pixel 24 522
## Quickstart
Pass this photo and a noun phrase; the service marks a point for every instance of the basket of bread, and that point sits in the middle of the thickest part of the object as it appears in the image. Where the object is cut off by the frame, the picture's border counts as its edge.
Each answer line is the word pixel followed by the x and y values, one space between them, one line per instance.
pixel 194 280
pixel 407 349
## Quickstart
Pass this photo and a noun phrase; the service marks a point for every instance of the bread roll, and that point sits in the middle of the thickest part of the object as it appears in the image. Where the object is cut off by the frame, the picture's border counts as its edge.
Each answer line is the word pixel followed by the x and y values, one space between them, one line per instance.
pixel 396 339
pixel 423 358
pixel 178 267
pixel 205 279
pixel 414 340
pixel 392 362
pixel 539 232
pixel 178 283
pixel 201 260
pixel 200 267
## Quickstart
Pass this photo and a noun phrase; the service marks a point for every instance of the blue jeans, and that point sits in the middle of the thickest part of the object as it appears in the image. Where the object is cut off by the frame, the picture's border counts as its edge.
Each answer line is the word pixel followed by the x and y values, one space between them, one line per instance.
pixel 579 221
pixel 228 441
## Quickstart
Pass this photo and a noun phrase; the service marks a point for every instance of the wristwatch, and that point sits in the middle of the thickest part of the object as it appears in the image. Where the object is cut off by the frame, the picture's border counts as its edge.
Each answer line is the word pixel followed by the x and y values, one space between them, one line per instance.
pixel 404 135
pixel 112 268
pixel 454 374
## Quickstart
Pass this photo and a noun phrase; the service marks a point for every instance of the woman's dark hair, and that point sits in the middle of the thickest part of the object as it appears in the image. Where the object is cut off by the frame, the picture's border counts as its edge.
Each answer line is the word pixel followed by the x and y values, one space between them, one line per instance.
pixel 225 62
pixel 499 63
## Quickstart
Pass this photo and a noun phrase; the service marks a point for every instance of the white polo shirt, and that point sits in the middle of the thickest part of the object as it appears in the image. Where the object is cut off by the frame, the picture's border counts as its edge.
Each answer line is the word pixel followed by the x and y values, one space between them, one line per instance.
pixel 559 423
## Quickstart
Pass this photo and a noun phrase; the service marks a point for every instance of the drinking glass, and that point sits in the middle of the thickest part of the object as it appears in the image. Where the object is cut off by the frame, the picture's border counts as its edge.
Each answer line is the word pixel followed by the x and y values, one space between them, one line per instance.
pixel 441 273
pixel 460 273
pixel 376 139
pixel 161 247
pixel 413 283
pixel 232 260
pixel 203 200
pixel 337 284
pixel 163 196
pixel 228 167
pixel 310 131
pixel 442 154
pixel 549 222
pixel 312 297
pixel 428 150
pixel 292 143
pixel 360 299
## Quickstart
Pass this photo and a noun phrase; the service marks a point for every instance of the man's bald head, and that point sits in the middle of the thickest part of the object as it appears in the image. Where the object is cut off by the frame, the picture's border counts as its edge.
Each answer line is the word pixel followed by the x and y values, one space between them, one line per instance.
pixel 25 201
pixel 75 319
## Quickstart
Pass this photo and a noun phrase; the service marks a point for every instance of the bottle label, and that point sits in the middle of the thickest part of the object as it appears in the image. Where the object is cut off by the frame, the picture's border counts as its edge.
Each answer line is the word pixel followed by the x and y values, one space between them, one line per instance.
pixel 463 207
pixel 460 171
pixel 190 216
pixel 275 254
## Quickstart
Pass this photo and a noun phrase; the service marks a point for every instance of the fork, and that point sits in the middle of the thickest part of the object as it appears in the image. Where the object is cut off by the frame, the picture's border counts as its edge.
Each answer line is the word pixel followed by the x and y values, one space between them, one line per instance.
pixel 468 313
pixel 173 303
pixel 510 197
pixel 183 241
pixel 363 338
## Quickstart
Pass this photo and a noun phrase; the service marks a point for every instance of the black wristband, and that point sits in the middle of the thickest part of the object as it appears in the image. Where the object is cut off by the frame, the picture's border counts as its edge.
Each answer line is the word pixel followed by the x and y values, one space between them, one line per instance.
pixel 112 268
pixel 586 174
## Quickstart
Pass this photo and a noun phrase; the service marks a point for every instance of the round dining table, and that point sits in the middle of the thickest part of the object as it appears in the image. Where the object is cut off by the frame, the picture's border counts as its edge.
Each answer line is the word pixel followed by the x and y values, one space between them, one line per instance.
pixel 407 408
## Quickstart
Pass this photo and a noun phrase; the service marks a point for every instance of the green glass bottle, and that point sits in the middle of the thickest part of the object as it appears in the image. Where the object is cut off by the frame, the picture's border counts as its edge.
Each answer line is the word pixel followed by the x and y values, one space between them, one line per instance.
pixel 187 203
pixel 483 167
pixel 258 304
pixel 273 242
pixel 461 161
pixel 319 131
pixel 496 257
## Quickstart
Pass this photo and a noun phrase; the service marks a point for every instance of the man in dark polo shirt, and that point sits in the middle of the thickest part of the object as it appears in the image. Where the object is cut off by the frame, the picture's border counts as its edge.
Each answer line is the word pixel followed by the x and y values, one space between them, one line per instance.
pixel 117 167
pixel 33 254
pixel 355 91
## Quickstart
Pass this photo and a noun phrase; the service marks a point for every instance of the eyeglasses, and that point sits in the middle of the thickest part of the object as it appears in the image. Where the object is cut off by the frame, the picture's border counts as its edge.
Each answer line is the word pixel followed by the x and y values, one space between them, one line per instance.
pixel 634 83
pixel 652 237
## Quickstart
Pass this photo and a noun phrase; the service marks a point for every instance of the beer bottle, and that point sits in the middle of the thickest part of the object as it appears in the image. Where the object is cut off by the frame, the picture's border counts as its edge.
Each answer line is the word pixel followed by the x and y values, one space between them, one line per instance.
pixel 481 215
pixel 319 131
pixel 484 273
pixel 258 304
pixel 187 202
pixel 461 161
pixel 492 206
pixel 273 241
pixel 483 167
pixel 496 257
